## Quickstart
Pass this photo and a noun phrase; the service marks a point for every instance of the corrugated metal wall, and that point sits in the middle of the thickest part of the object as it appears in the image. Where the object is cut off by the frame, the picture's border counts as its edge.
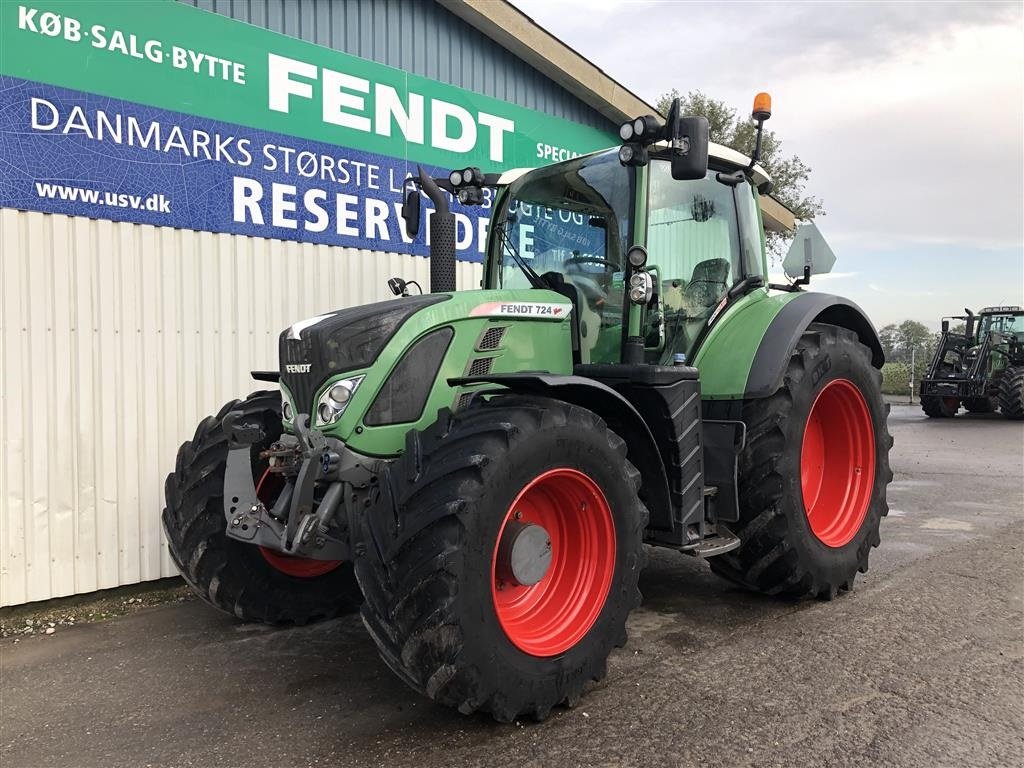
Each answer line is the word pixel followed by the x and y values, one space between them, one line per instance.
pixel 115 340
pixel 418 36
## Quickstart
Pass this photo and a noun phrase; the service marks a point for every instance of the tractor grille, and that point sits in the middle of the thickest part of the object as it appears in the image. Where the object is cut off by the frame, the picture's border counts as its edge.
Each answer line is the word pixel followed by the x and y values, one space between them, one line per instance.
pixel 341 341
pixel 464 399
pixel 480 367
pixel 491 338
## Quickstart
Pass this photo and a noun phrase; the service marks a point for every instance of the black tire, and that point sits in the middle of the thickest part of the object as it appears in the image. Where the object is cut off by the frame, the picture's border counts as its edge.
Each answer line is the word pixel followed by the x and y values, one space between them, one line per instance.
pixel 979 405
pixel 232 575
pixel 780 553
pixel 425 559
pixel 940 407
pixel 1011 393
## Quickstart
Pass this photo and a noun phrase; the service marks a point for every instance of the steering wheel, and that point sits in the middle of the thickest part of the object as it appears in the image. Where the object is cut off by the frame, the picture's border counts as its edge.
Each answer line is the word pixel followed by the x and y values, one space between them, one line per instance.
pixel 591 291
pixel 594 260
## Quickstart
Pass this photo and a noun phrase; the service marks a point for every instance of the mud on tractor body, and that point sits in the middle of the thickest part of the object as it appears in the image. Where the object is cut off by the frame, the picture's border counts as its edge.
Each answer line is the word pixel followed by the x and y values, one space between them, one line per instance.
pixel 481 470
pixel 981 369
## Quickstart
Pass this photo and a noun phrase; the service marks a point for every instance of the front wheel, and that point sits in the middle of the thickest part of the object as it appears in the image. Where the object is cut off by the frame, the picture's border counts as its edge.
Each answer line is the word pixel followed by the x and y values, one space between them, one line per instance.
pixel 813 474
pixel 979 405
pixel 502 559
pixel 250 582
pixel 940 407
pixel 1011 393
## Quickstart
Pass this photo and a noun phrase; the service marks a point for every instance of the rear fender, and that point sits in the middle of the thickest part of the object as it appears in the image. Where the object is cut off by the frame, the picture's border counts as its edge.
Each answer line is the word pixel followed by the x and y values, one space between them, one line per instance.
pixel 772 357
pixel 745 354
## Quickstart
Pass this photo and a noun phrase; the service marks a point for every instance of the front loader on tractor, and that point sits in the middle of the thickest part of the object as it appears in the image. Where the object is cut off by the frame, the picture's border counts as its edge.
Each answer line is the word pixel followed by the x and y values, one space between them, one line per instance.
pixel 981 369
pixel 481 470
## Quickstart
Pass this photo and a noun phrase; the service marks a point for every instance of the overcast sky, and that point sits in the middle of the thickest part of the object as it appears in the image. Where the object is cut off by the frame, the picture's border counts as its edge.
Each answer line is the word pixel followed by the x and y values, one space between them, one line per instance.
pixel 911 116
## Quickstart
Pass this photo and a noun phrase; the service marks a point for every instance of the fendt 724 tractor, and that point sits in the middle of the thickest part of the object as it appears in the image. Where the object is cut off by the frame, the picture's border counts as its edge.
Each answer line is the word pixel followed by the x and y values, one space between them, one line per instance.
pixel 482 469
pixel 981 368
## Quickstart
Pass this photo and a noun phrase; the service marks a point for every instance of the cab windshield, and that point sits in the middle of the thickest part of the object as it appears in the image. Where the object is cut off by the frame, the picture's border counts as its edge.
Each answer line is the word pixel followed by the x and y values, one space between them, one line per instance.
pixel 1004 325
pixel 571 222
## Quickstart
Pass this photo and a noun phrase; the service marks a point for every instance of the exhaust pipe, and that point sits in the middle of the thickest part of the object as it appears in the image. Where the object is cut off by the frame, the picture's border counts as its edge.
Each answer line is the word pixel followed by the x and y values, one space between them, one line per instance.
pixel 969 327
pixel 443 231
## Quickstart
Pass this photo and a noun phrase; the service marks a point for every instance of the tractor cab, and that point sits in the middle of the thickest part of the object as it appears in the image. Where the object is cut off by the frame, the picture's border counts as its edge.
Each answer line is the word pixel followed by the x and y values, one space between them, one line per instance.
pixel 1005 324
pixel 650 243
pixel 575 225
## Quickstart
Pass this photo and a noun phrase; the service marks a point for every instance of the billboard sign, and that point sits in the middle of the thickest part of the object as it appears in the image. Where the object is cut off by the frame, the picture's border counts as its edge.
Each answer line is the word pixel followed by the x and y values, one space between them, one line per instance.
pixel 159 113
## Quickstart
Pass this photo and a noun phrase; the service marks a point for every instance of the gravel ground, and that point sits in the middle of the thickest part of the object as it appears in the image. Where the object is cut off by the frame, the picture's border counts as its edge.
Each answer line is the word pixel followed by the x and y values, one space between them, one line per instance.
pixel 35 618
pixel 921 665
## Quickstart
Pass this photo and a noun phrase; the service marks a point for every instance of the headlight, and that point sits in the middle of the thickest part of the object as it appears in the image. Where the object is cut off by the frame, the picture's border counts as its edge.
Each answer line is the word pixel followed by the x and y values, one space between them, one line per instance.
pixel 334 401
pixel 287 408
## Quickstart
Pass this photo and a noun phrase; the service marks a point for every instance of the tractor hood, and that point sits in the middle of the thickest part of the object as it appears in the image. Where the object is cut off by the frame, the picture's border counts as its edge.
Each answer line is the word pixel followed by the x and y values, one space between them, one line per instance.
pixel 313 350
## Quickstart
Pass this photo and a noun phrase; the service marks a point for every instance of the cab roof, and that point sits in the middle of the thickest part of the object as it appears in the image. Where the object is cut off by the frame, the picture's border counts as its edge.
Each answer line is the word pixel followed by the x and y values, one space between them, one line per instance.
pixel 1001 310
pixel 777 217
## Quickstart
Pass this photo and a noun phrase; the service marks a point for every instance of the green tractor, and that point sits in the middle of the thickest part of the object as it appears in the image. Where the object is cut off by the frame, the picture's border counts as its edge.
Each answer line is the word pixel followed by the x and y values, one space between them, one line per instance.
pixel 481 470
pixel 981 369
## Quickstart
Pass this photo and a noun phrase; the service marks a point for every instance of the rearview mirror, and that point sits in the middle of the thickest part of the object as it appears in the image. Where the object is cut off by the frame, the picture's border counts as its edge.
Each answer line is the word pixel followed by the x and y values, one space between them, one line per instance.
pixel 689 140
pixel 411 212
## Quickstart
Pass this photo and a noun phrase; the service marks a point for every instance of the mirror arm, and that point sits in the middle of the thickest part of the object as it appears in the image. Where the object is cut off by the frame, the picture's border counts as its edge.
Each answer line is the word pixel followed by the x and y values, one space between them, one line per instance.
pixel 795 285
pixel 433 191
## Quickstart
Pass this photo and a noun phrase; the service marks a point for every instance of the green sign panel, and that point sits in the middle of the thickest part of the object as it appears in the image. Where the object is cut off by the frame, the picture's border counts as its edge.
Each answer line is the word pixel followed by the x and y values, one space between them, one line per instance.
pixel 168 55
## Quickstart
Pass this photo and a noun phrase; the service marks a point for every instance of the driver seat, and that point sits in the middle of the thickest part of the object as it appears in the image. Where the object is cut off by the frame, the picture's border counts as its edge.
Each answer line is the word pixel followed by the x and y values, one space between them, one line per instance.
pixel 707 286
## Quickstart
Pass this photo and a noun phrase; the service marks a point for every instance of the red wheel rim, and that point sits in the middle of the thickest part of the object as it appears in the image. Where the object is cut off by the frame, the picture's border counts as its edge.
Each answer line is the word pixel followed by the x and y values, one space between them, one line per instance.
pixel 267 490
pixel 952 403
pixel 837 463
pixel 550 617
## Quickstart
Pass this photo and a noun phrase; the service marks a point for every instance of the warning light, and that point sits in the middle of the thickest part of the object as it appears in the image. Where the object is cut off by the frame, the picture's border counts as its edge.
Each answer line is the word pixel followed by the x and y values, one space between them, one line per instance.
pixel 762 107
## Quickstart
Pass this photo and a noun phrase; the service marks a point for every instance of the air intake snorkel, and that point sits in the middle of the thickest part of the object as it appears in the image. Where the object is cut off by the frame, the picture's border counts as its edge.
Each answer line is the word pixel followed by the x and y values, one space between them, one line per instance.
pixel 442 237
pixel 467 185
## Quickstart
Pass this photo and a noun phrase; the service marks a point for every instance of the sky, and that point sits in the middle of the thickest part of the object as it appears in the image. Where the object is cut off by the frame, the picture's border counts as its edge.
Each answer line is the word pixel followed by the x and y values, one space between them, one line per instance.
pixel 910 115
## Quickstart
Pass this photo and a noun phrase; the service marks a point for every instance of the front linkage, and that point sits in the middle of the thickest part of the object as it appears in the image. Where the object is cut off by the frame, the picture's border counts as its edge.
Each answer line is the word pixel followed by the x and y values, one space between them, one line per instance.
pixel 303 521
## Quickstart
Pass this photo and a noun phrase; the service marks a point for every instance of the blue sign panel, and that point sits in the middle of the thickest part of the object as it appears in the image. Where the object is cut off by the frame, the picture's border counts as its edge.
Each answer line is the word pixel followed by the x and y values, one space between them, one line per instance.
pixel 65 151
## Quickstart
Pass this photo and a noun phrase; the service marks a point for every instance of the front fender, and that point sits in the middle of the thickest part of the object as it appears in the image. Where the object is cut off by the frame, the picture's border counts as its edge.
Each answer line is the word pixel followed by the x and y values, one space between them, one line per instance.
pixel 617 412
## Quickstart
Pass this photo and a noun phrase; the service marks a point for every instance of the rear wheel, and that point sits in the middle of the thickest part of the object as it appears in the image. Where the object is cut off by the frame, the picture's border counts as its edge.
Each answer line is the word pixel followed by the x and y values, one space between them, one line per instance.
pixel 502 559
pixel 813 473
pixel 1011 393
pixel 940 407
pixel 252 583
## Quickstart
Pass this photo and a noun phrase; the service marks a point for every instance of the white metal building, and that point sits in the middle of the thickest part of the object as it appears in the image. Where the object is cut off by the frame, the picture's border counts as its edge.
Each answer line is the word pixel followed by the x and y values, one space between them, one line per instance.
pixel 120 330
pixel 117 337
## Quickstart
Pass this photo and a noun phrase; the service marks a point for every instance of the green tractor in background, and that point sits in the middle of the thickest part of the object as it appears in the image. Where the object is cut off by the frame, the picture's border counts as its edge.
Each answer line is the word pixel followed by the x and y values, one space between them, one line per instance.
pixel 481 470
pixel 981 368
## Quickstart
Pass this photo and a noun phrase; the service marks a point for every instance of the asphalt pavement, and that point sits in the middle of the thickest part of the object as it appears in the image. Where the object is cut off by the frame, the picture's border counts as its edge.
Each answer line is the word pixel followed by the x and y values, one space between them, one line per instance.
pixel 921 665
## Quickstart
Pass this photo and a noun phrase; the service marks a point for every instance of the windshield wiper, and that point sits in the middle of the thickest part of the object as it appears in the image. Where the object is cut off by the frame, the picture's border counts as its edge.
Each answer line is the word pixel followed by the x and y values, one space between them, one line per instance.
pixel 535 280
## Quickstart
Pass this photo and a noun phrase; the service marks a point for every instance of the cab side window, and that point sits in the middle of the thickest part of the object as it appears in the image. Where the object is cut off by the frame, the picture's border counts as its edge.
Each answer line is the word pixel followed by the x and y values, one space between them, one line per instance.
pixel 692 237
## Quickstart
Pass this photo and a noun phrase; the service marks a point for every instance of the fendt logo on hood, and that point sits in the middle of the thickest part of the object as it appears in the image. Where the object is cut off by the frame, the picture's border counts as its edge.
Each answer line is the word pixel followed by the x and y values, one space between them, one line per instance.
pixel 297 367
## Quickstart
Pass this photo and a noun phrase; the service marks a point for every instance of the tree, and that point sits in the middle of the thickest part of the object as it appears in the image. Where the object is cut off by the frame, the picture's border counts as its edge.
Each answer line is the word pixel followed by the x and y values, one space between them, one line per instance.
pixel 898 341
pixel 906 342
pixel 789 173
